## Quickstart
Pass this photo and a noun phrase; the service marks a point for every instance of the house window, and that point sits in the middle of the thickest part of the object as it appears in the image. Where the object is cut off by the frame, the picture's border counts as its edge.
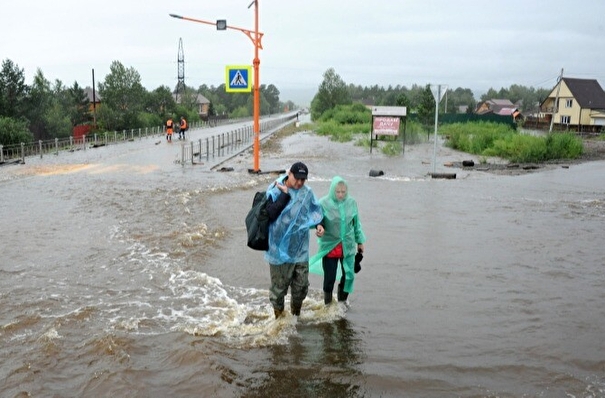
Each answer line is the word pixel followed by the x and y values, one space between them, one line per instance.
pixel 565 119
pixel 569 103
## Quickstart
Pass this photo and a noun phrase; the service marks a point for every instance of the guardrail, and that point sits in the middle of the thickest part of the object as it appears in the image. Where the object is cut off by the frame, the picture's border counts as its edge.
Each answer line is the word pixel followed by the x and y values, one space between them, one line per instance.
pixel 18 152
pixel 227 143
pixel 215 146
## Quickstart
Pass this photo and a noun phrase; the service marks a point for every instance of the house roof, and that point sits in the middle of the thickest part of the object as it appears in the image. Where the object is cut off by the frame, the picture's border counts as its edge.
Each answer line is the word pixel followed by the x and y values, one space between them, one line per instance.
pixel 495 106
pixel 88 92
pixel 587 92
pixel 501 102
pixel 202 100
pixel 199 99
pixel 506 111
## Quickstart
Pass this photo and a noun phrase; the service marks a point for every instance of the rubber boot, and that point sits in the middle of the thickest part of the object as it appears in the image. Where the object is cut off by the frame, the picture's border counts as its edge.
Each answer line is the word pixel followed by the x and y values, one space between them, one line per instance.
pixel 295 310
pixel 342 295
pixel 278 313
pixel 327 297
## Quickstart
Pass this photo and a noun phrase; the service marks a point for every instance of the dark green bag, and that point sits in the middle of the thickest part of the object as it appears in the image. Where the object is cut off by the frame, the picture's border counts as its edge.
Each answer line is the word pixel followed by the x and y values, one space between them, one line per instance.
pixel 257 223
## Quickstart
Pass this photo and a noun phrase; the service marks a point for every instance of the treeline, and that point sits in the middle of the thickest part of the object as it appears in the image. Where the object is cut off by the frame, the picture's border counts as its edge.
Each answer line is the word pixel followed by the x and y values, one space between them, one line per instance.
pixel 454 101
pixel 418 99
pixel 45 110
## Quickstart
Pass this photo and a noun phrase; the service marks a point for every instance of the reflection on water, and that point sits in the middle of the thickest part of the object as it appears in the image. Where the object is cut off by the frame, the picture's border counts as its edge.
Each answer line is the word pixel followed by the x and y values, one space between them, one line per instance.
pixel 320 361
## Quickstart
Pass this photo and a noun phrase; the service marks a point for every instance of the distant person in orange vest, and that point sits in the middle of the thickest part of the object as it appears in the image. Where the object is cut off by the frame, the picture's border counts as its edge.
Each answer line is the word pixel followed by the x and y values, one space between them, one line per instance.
pixel 169 127
pixel 183 128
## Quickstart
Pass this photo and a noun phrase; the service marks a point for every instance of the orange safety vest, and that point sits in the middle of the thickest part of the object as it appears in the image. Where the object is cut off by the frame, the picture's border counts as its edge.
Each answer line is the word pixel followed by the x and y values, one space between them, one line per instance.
pixel 183 124
pixel 169 126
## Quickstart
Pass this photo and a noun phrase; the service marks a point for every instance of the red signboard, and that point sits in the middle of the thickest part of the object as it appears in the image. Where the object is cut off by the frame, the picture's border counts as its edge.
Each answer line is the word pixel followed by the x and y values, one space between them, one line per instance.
pixel 386 125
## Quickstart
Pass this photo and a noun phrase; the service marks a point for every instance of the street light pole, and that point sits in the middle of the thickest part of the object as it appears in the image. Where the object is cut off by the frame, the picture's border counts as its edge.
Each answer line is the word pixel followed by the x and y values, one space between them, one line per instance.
pixel 256 38
pixel 256 98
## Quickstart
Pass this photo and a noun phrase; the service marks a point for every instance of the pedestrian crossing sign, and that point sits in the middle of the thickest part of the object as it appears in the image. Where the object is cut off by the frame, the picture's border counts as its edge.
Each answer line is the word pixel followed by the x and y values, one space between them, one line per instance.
pixel 238 79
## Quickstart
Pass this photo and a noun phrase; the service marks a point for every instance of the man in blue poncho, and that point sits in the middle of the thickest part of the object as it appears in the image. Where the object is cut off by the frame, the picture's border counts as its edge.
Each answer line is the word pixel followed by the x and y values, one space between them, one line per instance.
pixel 293 209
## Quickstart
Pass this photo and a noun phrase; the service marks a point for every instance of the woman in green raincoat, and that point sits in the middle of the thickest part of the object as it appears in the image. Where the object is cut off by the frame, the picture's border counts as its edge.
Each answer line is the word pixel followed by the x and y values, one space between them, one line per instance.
pixel 342 239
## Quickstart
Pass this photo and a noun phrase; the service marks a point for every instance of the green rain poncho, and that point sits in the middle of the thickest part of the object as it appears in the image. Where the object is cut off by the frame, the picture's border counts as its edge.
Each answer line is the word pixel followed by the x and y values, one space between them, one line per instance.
pixel 341 223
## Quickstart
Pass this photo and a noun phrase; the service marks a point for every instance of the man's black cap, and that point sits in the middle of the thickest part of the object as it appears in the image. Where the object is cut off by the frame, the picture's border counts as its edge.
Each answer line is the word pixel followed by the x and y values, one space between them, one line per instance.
pixel 299 170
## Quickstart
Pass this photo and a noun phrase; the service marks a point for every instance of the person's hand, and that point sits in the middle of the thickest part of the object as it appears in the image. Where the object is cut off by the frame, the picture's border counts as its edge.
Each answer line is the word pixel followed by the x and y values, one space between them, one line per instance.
pixel 319 231
pixel 360 247
pixel 282 187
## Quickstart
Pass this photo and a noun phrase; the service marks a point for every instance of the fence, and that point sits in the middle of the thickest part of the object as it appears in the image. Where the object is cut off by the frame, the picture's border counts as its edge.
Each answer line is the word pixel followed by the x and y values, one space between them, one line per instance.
pixel 18 152
pixel 227 143
pixel 214 146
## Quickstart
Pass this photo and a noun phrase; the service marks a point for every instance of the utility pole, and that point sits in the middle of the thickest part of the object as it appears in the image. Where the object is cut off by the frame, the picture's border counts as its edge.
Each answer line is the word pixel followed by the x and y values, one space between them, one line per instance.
pixel 555 108
pixel 180 86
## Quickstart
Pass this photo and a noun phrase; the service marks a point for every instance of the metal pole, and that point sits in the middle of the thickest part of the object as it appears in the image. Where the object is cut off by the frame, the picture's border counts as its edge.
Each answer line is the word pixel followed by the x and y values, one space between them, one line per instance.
pixel 256 64
pixel 556 106
pixel 436 119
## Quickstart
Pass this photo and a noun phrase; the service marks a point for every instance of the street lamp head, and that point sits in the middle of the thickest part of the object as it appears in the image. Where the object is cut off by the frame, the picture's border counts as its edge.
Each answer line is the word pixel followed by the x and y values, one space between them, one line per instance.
pixel 176 16
pixel 221 24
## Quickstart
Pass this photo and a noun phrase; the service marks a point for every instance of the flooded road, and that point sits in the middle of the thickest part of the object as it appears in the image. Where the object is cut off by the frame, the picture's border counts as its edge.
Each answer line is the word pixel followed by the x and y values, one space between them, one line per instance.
pixel 125 274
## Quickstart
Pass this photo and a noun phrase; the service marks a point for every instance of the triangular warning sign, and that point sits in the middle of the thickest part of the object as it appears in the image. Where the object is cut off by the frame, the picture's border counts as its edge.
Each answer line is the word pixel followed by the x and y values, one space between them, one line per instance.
pixel 438 92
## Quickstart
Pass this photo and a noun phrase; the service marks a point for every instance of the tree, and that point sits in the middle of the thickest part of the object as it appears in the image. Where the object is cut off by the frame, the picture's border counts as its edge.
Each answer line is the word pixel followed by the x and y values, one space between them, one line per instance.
pixel 426 107
pixel 332 91
pixel 402 100
pixel 271 95
pixel 12 89
pixel 460 97
pixel 78 105
pixel 123 95
pixel 38 103
pixel 13 131
pixel 160 102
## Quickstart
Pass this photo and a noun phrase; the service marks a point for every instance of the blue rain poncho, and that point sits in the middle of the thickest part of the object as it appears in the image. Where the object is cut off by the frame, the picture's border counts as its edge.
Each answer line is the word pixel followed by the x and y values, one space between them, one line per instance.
pixel 341 224
pixel 289 233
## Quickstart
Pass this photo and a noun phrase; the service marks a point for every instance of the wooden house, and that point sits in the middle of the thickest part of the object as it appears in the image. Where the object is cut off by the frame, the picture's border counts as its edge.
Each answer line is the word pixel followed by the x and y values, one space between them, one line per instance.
pixel 576 104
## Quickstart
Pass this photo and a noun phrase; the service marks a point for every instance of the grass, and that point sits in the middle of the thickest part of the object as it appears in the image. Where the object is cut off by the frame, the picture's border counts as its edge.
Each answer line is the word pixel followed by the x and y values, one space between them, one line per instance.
pixel 494 139
pixel 346 123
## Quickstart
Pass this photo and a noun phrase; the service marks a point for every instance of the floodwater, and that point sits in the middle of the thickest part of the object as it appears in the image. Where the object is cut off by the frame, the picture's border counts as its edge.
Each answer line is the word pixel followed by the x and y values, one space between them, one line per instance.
pixel 124 274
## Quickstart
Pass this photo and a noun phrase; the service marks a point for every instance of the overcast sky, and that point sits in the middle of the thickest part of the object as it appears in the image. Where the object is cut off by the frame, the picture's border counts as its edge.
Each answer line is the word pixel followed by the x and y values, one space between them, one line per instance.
pixel 464 43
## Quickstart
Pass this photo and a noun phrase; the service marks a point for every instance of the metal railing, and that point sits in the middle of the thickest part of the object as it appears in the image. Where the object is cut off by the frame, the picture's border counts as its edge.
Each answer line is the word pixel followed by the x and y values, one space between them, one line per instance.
pixel 18 152
pixel 225 144
pixel 216 146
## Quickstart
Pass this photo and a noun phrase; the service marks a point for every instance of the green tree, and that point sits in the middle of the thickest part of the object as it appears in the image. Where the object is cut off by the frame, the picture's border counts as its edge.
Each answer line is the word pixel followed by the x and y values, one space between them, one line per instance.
pixel 123 95
pixel 13 90
pixel 271 95
pixel 490 94
pixel 402 100
pixel 37 104
pixel 78 105
pixel 460 97
pixel 13 131
pixel 57 117
pixel 426 107
pixel 160 102
pixel 332 91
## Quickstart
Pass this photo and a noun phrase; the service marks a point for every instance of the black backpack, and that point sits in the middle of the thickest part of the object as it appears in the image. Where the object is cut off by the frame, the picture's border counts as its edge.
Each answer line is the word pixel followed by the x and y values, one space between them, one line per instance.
pixel 257 223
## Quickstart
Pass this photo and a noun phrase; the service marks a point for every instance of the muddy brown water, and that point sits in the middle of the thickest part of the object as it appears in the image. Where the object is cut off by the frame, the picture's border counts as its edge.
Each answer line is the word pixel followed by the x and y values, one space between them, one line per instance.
pixel 124 274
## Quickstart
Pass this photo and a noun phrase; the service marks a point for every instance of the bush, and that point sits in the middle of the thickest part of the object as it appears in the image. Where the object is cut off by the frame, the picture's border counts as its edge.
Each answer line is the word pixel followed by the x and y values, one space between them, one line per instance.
pixel 496 139
pixel 347 114
pixel 13 131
